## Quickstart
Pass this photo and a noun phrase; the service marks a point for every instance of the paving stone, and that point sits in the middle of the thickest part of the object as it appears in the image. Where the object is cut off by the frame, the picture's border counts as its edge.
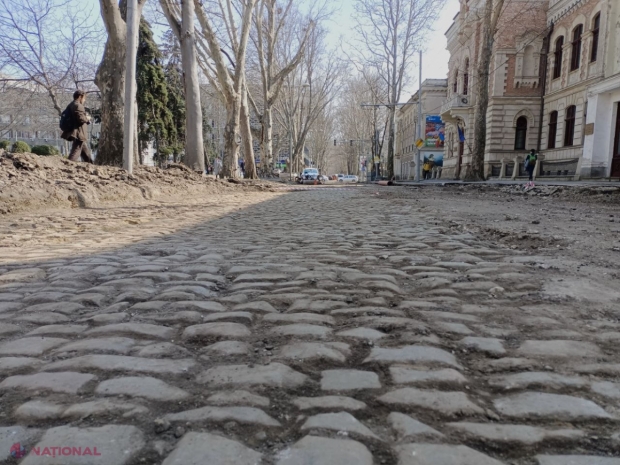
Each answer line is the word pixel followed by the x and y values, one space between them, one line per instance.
pixel 36 410
pixel 302 330
pixel 23 275
pixel 576 460
pixel 488 345
pixel 510 364
pixel 227 348
pixel 441 454
pixel 122 363
pixel 116 444
pixel 163 349
pixel 243 317
pixel 533 379
pixel 516 434
pixel 312 450
pixel 559 348
pixel 31 345
pixel 210 330
pixel 341 421
pixel 416 354
pixel 104 407
pixel 116 345
pixel 251 278
pixel 612 369
pixel 449 316
pixel 545 406
pixel 456 328
pixel 10 435
pixel 328 403
pixel 317 306
pixel 607 389
pixel 44 297
pixel 407 375
pixel 258 306
pixel 274 374
pixel 58 330
pixel 347 380
pixel 66 308
pixel 311 318
pixel 245 415
pixel 135 329
pixel 9 364
pixel 206 448
pixel 205 306
pixel 107 318
pixel 238 397
pixel 141 386
pixel 362 333
pixel 89 298
pixel 336 351
pixel 410 428
pixel 447 403
pixel 68 382
pixel 44 318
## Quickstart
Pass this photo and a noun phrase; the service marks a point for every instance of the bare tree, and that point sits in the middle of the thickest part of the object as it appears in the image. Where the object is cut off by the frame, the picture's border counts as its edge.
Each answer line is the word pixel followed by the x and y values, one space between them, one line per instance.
pixel 320 138
pixel 390 32
pixel 181 21
pixel 275 21
pixel 226 71
pixel 307 92
pixel 110 80
pixel 51 43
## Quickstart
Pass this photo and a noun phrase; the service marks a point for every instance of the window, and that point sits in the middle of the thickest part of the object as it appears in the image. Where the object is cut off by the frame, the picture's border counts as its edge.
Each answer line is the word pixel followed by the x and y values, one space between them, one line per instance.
pixel 553 129
pixel 521 133
pixel 575 58
pixel 596 23
pixel 528 61
pixel 569 126
pixel 557 57
pixel 466 77
pixel 456 82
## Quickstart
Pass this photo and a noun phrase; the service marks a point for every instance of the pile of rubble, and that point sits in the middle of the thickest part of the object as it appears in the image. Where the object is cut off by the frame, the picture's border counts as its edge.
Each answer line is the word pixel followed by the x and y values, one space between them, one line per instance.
pixel 29 181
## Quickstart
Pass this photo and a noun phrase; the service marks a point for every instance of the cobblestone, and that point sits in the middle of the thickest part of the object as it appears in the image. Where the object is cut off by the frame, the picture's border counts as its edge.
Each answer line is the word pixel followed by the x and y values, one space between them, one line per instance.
pixel 233 331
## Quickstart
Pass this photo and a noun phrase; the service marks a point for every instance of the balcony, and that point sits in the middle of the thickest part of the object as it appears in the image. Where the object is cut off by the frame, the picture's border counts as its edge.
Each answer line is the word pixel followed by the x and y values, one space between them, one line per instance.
pixel 457 106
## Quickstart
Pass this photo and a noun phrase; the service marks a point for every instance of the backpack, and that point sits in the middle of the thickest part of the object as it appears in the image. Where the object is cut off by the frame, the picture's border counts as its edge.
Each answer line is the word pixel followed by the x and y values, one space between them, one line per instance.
pixel 66 120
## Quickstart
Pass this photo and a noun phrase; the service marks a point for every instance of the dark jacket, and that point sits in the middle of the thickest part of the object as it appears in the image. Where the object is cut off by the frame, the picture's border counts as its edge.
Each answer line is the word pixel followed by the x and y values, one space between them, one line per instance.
pixel 80 120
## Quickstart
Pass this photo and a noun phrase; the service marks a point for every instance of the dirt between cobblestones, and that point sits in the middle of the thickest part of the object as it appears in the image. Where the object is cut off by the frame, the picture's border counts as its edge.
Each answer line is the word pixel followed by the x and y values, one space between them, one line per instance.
pixel 31 182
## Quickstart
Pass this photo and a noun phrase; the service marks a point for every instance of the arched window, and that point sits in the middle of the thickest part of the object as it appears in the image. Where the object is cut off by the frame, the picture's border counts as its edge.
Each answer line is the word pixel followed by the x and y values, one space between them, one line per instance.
pixel 596 24
pixel 456 81
pixel 553 129
pixel 569 126
pixel 521 133
pixel 575 57
pixel 557 57
pixel 466 78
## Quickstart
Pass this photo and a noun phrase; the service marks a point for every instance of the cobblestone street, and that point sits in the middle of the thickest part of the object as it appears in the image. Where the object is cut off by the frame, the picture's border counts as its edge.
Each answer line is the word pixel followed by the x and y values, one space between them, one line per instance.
pixel 320 327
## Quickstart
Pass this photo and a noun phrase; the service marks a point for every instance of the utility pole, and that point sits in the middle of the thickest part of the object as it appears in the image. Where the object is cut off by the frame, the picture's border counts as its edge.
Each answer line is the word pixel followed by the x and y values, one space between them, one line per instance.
pixel 290 155
pixel 419 128
pixel 129 128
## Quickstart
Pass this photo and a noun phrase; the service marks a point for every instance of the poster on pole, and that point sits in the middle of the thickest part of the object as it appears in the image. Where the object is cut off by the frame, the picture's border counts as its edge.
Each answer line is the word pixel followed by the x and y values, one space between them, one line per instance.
pixel 434 134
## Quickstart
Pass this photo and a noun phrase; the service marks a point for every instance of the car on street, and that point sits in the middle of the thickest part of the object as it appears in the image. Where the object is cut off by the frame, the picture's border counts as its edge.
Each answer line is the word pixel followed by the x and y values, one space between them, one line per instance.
pixel 348 178
pixel 308 174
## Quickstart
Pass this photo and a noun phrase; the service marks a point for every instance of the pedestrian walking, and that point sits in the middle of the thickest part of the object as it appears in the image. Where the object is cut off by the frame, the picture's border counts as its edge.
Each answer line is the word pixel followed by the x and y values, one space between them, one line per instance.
pixel 530 165
pixel 217 166
pixel 242 166
pixel 73 123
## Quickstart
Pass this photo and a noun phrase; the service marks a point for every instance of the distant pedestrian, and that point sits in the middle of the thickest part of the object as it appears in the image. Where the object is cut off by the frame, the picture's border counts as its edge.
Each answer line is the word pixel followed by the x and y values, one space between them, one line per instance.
pixel 217 166
pixel 530 165
pixel 242 166
pixel 77 120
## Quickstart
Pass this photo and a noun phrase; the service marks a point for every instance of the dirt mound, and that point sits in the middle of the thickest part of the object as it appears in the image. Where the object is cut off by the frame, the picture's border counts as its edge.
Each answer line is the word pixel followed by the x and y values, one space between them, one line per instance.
pixel 29 182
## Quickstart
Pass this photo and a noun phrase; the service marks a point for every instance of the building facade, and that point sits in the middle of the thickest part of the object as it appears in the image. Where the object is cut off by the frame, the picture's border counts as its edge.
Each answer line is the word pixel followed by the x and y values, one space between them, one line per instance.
pixel 581 122
pixel 434 92
pixel 515 94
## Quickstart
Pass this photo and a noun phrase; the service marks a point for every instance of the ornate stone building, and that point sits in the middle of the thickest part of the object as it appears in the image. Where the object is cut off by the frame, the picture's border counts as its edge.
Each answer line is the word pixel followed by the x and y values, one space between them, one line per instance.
pixel 513 116
pixel 582 129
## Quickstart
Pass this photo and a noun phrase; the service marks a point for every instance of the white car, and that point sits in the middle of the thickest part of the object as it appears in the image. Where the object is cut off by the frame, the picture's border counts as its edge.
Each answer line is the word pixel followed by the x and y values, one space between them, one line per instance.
pixel 348 178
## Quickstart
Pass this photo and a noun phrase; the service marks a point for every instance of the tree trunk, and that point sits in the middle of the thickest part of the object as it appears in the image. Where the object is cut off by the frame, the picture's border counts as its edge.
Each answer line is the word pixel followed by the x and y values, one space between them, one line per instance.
pixel 267 142
pixel 194 146
pixel 390 160
pixel 231 139
pixel 110 79
pixel 246 137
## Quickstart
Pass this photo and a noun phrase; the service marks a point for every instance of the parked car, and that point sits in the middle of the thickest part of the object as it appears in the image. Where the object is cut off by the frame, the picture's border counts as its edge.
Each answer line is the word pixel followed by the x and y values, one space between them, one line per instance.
pixel 308 174
pixel 276 171
pixel 323 178
pixel 340 177
pixel 348 178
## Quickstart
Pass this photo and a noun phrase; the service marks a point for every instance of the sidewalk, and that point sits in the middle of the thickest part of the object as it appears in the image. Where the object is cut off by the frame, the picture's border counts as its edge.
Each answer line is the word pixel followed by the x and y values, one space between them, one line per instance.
pixel 443 182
